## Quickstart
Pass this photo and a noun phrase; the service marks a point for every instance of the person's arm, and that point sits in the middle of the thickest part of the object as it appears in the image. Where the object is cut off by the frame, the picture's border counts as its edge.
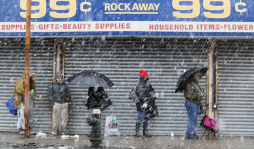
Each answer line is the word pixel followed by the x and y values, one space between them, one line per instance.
pixel 50 94
pixel 189 92
pixel 19 89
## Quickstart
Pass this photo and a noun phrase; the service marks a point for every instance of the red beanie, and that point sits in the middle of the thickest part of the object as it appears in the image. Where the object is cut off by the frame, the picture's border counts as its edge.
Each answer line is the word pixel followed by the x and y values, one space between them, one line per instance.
pixel 143 73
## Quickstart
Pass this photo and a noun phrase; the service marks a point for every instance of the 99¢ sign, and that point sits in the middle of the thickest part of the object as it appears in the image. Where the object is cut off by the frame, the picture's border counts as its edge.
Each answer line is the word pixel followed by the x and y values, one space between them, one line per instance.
pixel 195 7
pixel 42 7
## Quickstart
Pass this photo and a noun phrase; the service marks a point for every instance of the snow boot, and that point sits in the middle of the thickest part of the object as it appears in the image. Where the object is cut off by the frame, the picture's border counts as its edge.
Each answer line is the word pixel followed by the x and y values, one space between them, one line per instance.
pixel 145 131
pixel 137 131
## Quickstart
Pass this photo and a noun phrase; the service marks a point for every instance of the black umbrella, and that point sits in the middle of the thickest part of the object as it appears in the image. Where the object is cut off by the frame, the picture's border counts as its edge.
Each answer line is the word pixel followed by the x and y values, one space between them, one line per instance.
pixel 90 79
pixel 186 77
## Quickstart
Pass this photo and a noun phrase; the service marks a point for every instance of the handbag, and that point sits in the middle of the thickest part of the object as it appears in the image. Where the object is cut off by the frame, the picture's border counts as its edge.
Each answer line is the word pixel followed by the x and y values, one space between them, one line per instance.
pixel 133 95
pixel 10 106
pixel 155 112
pixel 210 123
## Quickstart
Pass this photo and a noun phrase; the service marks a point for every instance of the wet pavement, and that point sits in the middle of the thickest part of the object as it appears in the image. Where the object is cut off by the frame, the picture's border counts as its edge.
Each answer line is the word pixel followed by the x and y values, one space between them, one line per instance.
pixel 14 140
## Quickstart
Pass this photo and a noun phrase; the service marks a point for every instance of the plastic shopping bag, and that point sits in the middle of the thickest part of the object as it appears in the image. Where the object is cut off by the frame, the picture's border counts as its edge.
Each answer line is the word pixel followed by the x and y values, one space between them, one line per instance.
pixel 21 117
pixel 111 126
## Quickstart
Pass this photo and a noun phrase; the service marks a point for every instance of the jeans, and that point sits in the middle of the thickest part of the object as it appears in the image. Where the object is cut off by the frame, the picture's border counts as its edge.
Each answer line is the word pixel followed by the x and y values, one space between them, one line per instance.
pixel 193 113
pixel 143 115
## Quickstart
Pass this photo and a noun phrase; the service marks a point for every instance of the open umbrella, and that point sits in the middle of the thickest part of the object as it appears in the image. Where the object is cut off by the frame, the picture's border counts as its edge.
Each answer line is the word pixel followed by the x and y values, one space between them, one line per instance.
pixel 186 77
pixel 90 79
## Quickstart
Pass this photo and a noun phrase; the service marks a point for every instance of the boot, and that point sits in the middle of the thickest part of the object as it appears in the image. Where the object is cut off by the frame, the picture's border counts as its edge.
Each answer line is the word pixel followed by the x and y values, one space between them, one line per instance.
pixel 137 130
pixel 145 131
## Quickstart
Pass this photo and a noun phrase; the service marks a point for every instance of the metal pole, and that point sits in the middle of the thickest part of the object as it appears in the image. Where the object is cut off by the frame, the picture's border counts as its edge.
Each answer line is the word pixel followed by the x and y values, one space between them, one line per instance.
pixel 54 59
pixel 207 81
pixel 216 82
pixel 207 84
pixel 63 56
pixel 27 79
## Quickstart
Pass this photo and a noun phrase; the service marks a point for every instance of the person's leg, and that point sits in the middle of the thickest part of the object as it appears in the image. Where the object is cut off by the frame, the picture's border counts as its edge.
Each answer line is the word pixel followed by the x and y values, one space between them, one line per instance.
pixel 31 115
pixel 191 121
pixel 196 113
pixel 31 112
pixel 141 116
pixel 146 124
pixel 64 117
pixel 55 118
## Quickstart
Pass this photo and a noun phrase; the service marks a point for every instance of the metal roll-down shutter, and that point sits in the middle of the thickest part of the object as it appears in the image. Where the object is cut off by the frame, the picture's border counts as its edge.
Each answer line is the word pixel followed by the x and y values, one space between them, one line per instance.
pixel 236 87
pixel 121 59
pixel 12 57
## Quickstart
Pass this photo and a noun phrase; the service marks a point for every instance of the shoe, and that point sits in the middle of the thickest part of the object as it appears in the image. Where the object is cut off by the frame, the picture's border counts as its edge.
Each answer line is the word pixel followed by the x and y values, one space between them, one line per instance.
pixel 137 131
pixel 32 133
pixel 22 132
pixel 145 131
pixel 188 138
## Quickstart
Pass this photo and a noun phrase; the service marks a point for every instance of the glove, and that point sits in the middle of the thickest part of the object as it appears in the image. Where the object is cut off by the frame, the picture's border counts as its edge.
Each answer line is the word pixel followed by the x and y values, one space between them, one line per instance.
pixel 156 95
pixel 144 105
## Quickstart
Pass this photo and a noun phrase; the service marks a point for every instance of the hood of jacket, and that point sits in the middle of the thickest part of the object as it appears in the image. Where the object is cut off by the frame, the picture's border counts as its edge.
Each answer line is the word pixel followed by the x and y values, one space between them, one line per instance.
pixel 30 74
pixel 58 74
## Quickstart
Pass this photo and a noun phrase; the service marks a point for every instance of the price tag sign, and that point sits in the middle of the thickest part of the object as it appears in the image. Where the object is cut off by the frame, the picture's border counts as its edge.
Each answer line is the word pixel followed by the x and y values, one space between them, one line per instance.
pixel 129 17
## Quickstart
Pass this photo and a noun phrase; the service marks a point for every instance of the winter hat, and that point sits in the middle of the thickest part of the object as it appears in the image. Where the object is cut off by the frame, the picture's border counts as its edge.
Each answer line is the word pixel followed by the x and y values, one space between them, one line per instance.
pixel 143 73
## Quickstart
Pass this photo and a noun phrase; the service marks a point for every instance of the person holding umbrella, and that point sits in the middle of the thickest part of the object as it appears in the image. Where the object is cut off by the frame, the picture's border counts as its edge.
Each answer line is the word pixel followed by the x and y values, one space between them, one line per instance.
pixel 94 103
pixel 59 96
pixel 97 101
pixel 146 104
pixel 193 94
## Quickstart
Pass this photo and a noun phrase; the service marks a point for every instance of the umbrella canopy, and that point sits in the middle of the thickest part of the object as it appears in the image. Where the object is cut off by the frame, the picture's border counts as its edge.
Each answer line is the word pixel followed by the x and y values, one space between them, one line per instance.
pixel 186 77
pixel 90 79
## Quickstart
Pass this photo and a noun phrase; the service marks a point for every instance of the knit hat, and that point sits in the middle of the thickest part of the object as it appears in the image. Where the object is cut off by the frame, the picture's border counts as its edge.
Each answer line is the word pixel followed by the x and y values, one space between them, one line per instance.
pixel 143 73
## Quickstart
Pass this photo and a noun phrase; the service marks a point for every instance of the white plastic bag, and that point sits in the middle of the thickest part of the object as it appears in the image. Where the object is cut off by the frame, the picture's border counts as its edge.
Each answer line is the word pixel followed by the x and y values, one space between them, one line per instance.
pixel 111 126
pixel 21 117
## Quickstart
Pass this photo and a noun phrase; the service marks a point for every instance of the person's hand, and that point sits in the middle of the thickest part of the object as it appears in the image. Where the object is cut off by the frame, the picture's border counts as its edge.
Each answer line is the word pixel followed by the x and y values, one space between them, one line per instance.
pixel 156 95
pixel 30 93
pixel 144 105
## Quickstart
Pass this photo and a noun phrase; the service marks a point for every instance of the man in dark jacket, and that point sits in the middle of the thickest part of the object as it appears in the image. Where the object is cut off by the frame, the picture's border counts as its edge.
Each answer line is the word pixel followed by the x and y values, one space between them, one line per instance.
pixel 59 96
pixel 193 95
pixel 146 104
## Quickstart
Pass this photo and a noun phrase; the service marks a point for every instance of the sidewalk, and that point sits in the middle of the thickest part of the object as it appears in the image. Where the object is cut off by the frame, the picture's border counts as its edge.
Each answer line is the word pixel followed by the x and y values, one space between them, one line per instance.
pixel 14 140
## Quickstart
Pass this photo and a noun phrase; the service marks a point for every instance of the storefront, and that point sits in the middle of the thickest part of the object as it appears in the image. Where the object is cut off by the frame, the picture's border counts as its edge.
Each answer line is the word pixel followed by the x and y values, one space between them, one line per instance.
pixel 119 39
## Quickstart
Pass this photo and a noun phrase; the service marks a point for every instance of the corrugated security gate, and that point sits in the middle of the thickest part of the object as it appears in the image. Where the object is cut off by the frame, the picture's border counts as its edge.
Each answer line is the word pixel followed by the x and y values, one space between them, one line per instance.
pixel 121 59
pixel 12 57
pixel 236 87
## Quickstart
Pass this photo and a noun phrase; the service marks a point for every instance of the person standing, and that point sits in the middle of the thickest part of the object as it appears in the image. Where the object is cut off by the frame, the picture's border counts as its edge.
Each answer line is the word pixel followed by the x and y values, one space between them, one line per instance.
pixel 146 104
pixel 94 103
pixel 193 95
pixel 59 96
pixel 19 94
